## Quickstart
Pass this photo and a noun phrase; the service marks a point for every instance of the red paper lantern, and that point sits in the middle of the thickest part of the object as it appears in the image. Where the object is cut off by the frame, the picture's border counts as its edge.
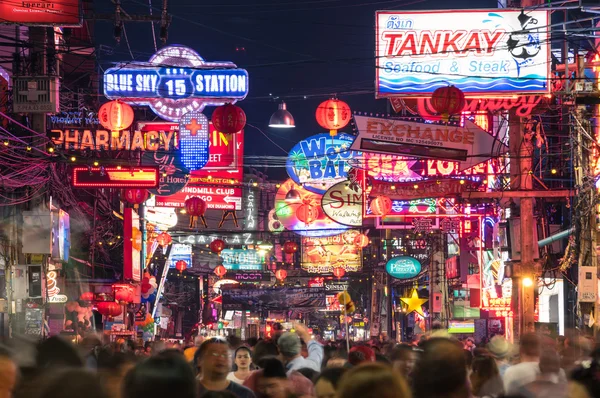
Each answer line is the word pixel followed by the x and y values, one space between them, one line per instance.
pixel 448 101
pixel 135 196
pixel 87 296
pixel 164 239
pixel 217 246
pixel 361 240
pixel 124 296
pixel 180 265
pixel 228 119
pixel 333 115
pixel 307 213
pixel 220 271
pixel 195 206
pixel 290 247
pixel 381 205
pixel 281 274
pixel 109 308
pixel 115 115
pixel 339 272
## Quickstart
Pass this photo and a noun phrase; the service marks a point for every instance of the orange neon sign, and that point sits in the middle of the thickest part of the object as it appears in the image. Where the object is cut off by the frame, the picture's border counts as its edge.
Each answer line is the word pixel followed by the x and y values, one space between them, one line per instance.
pixel 112 177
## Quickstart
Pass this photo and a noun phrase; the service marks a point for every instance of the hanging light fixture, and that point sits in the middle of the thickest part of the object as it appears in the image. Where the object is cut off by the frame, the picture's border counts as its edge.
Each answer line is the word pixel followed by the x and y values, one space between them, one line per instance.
pixel 292 196
pixel 282 118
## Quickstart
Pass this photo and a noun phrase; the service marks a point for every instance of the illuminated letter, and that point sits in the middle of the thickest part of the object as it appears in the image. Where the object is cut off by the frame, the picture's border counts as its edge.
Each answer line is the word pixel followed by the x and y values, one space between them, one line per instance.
pixel 166 139
pixel 151 144
pixel 137 142
pixel 60 139
pixel 102 140
pixel 87 142
pixel 119 143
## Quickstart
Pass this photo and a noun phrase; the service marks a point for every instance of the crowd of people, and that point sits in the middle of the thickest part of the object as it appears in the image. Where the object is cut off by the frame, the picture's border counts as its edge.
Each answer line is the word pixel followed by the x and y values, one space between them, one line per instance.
pixel 294 364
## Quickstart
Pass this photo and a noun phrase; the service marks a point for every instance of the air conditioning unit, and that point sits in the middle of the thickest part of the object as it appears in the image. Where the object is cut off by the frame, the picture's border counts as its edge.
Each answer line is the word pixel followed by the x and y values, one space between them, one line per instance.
pixel 36 94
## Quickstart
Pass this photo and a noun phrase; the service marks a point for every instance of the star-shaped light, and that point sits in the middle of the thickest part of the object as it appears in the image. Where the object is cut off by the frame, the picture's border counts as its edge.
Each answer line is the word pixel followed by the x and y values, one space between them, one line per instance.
pixel 414 303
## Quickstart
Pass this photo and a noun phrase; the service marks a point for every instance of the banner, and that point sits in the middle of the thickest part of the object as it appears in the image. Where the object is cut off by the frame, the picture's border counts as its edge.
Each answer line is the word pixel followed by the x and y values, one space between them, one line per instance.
pixel 322 255
pixel 41 13
pixel 273 299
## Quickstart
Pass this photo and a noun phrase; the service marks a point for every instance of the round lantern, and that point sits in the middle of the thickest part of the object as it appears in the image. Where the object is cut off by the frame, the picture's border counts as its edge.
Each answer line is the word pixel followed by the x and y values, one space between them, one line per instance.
pixel 381 205
pixel 109 308
pixel 217 246
pixel 339 272
pixel 164 239
pixel 87 296
pixel 124 296
pixel 290 247
pixel 180 265
pixel 115 116
pixel 448 101
pixel 228 119
pixel 135 196
pixel 307 213
pixel 281 274
pixel 361 240
pixel 220 271
pixel 195 207
pixel 333 115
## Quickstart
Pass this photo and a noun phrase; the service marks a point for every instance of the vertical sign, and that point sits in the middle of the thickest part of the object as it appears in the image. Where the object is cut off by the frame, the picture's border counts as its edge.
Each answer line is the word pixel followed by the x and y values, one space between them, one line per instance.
pixel 250 207
pixel 132 245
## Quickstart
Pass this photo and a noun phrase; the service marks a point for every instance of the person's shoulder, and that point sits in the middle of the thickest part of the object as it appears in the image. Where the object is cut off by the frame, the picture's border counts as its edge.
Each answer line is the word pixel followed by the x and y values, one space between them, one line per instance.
pixel 240 391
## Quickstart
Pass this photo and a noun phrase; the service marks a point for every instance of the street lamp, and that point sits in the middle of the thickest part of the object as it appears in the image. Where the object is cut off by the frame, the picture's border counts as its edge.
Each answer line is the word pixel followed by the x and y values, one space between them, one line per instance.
pixel 282 118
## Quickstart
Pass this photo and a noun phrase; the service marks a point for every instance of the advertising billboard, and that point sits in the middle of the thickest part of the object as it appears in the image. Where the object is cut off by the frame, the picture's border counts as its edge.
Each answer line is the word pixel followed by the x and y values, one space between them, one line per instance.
pixel 322 255
pixel 482 52
pixel 41 13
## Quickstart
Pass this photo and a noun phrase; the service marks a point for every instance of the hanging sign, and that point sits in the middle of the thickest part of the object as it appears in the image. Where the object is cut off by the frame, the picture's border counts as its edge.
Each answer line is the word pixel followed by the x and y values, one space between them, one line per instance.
pixel 322 255
pixel 320 161
pixel 343 203
pixel 248 276
pixel 241 259
pixel 132 245
pixel 469 145
pixel 422 189
pixel 403 267
pixel 175 81
pixel 113 177
pixel 245 238
pixel 193 137
pixel 103 140
pixel 79 119
pixel 217 197
pixel 41 13
pixel 180 252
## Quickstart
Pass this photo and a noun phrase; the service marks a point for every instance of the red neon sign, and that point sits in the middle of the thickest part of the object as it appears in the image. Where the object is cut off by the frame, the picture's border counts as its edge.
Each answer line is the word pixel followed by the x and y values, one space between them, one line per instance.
pixel 113 177
pixel 61 12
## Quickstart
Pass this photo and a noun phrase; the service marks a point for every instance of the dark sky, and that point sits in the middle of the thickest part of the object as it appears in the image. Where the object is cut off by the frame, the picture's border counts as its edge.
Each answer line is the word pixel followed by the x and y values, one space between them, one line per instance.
pixel 291 49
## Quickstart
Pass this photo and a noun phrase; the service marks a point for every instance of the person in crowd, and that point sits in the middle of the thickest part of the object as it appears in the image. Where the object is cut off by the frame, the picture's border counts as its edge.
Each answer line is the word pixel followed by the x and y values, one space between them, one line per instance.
pixel 527 369
pixel 55 353
pixel 373 380
pixel 160 376
pixel 500 349
pixel 242 359
pixel 191 351
pixel 214 359
pixel 272 381
pixel 71 383
pixel 548 383
pixel 112 368
pixel 90 346
pixel 290 347
pixel 360 354
pixel 587 376
pixel 403 358
pixel 8 373
pixel 470 344
pixel 309 373
pixel 485 378
pixel 441 370
pixel 326 383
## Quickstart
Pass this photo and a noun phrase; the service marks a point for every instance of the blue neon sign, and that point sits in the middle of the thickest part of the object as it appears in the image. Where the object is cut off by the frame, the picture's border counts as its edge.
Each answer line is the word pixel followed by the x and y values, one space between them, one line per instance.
pixel 239 259
pixel 193 136
pixel 403 267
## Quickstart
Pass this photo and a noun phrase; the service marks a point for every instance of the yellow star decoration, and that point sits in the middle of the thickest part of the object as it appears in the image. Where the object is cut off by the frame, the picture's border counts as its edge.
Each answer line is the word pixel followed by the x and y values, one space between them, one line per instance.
pixel 414 303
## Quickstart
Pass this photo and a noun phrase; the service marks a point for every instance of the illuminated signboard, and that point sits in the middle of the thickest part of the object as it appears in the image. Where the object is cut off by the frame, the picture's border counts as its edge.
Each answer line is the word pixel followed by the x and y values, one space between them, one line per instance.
pixel 403 267
pixel 73 119
pixel 422 189
pixel 41 13
pixel 180 252
pixel 343 203
pixel 175 81
pixel 251 207
pixel 113 177
pixel 491 52
pixel 322 255
pixel 217 197
pixel 248 276
pixel 103 140
pixel 132 245
pixel 241 259
pixel 193 137
pixel 320 161
pixel 299 210
pixel 245 238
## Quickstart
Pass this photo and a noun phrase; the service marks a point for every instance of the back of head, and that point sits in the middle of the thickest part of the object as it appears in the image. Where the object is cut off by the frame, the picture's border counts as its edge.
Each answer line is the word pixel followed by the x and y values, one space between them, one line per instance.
pixel 272 368
pixel 71 383
pixel 289 344
pixel 530 345
pixel 57 353
pixel 264 349
pixel 161 376
pixel 360 354
pixel 441 370
pixel 373 380
pixel 549 362
pixel 332 375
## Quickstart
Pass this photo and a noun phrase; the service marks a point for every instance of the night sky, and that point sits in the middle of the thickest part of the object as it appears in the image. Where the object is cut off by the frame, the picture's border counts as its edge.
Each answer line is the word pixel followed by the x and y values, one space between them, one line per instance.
pixel 291 49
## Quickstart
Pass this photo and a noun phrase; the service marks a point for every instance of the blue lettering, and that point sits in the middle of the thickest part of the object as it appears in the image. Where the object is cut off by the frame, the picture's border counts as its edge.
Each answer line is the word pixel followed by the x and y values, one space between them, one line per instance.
pixel 315 169
pixel 313 149
pixel 329 171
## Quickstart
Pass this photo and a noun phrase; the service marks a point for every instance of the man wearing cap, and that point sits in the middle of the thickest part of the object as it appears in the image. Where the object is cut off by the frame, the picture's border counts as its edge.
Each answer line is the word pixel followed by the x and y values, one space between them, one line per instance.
pixel 500 349
pixel 290 348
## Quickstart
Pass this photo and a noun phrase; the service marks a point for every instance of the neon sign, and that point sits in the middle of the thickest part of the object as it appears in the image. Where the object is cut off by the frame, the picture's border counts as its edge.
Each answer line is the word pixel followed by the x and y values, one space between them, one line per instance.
pixel 246 238
pixel 177 81
pixel 99 140
pixel 193 135
pixel 240 259
pixel 112 177
pixel 322 255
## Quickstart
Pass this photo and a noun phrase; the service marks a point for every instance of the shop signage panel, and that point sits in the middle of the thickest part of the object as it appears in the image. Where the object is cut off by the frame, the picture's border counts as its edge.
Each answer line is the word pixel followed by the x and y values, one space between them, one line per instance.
pixel 112 177
pixel 343 203
pixel 245 238
pixel 180 252
pixel 241 259
pixel 216 197
pixel 272 299
pixel 321 255
pixel 248 276
pixel 132 245
pixel 422 189
pixel 403 267
pixel 482 52
pixel 41 13
pixel 103 140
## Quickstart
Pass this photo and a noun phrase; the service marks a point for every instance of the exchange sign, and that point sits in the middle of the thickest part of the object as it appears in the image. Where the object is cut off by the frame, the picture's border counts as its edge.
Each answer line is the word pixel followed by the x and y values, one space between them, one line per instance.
pixel 493 52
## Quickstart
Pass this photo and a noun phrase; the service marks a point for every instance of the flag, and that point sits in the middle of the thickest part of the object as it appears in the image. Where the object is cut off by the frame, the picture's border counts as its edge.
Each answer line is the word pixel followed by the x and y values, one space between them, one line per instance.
pixel 592 321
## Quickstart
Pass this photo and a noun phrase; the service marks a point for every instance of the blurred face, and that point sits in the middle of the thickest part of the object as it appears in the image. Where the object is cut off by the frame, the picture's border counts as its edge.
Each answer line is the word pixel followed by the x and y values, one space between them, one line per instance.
pixel 272 387
pixel 324 389
pixel 406 365
pixel 242 359
pixel 216 362
pixel 8 377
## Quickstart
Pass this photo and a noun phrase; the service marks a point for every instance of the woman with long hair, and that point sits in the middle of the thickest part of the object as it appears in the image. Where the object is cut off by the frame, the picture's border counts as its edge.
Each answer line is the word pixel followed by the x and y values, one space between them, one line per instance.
pixel 242 359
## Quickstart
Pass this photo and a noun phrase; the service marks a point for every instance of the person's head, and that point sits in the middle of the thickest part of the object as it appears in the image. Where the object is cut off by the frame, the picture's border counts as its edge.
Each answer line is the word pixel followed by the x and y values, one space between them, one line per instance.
pixel 499 347
pixel 55 353
pixel 470 342
pixel 8 373
pixel 326 384
pixel 360 354
pixel 264 349
pixel 373 380
pixel 289 345
pixel 160 376
pixel 214 358
pixel 403 359
pixel 549 362
pixel 309 373
pixel 484 369
pixel 529 347
pixel 441 370
pixel 243 358
pixel 71 383
pixel 272 381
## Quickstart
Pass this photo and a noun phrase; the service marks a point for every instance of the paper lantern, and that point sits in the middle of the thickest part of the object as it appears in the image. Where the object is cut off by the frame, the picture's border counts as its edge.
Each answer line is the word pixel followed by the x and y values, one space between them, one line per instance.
pixel 339 272
pixel 381 205
pixel 115 116
pixel 333 115
pixel 217 246
pixel 124 296
pixel 87 296
pixel 164 239
pixel 290 247
pixel 307 213
pixel 228 119
pixel 281 274
pixel 180 265
pixel 448 101
pixel 109 308
pixel 220 271
pixel 361 240
pixel 195 207
pixel 135 196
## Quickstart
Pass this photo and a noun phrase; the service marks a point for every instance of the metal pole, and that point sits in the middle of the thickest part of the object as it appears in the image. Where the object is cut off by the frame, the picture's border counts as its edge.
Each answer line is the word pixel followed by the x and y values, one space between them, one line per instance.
pixel 346 323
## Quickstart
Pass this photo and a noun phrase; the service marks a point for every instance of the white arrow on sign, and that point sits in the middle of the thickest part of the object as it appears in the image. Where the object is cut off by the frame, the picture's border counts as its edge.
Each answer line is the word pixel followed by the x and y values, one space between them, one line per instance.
pixel 229 199
pixel 469 145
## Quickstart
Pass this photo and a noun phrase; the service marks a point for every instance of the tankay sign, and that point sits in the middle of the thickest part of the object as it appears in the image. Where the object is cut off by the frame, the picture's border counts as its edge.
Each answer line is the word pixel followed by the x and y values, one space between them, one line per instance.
pixel 425 140
pixel 423 189
pixel 479 51
pixel 343 203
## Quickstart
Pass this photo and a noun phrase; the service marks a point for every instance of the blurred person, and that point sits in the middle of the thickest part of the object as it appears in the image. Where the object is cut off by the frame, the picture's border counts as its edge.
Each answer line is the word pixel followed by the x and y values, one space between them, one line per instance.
pixel 290 348
pixel 272 380
pixel 159 377
pixel 55 353
pixel 500 349
pixel 242 360
pixel 214 360
pixel 548 381
pixel 71 383
pixel 112 368
pixel 527 369
pixel 360 354
pixel 90 346
pixel 587 376
pixel 372 380
pixel 485 378
pixel 218 394
pixel 8 373
pixel 309 373
pixel 441 370
pixel 403 358
pixel 470 344
pixel 326 384
pixel 190 351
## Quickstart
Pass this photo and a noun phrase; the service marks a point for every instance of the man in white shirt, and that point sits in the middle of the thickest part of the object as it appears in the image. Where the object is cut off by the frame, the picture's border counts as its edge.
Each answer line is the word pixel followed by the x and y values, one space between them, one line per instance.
pixel 527 370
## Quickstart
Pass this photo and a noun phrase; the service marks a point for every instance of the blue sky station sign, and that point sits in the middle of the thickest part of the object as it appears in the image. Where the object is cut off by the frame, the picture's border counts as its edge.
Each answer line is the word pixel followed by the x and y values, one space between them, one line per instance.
pixel 176 80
